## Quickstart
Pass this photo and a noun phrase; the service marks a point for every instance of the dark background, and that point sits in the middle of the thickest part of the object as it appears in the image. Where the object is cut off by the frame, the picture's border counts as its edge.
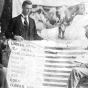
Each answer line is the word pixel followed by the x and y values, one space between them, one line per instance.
pixel 5 13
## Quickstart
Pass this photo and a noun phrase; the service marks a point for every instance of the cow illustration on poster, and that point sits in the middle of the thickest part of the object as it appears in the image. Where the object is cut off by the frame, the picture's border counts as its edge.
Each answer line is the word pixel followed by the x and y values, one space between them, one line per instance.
pixel 59 19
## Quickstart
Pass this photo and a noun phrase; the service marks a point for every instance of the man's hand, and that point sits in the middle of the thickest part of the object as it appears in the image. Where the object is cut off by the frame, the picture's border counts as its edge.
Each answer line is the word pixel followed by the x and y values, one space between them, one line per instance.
pixel 77 64
pixel 18 38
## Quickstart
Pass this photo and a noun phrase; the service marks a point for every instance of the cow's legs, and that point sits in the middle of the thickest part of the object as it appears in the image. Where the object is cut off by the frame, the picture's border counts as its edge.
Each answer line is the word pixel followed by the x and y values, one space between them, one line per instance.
pixel 59 35
pixel 63 34
pixel 63 30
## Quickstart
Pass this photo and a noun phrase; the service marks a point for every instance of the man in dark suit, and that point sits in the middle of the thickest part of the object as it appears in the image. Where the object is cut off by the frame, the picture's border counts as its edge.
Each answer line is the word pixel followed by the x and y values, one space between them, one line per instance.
pixel 23 27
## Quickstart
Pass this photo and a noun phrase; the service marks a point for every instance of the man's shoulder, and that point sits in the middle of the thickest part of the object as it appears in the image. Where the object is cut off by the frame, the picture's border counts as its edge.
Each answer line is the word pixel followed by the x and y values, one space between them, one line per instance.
pixel 16 17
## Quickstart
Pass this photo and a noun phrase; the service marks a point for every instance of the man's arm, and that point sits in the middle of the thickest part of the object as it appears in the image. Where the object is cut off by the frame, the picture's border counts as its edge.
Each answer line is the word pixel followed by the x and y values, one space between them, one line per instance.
pixel 81 64
pixel 10 29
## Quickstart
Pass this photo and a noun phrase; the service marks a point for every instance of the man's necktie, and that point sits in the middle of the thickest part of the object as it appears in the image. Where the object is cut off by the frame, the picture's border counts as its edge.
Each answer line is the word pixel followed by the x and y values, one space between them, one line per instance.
pixel 25 23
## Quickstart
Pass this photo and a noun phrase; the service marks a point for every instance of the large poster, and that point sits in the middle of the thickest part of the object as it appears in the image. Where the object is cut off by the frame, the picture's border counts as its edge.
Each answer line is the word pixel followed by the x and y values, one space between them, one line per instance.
pixel 40 64
pixel 63 24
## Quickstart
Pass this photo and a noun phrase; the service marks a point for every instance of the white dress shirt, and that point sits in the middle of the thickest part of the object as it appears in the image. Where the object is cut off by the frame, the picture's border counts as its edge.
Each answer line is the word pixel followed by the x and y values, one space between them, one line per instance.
pixel 23 19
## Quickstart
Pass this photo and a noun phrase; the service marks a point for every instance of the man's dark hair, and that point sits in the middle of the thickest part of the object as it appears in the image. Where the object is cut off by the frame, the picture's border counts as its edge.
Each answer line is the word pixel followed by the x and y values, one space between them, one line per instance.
pixel 27 2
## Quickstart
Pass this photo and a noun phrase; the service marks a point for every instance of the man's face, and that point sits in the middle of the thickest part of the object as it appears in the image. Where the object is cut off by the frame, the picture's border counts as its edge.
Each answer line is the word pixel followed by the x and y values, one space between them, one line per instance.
pixel 27 9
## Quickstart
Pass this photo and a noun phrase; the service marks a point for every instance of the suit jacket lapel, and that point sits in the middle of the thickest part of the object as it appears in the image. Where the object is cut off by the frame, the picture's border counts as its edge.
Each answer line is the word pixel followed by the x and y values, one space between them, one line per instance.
pixel 30 24
pixel 31 28
pixel 20 24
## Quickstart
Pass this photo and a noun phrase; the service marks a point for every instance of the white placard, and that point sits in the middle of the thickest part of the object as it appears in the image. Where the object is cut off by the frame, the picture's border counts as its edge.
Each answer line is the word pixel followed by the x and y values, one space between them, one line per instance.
pixel 23 70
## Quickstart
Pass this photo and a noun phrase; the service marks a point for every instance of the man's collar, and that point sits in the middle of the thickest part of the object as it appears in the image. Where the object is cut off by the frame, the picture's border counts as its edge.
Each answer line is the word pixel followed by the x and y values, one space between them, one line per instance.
pixel 24 16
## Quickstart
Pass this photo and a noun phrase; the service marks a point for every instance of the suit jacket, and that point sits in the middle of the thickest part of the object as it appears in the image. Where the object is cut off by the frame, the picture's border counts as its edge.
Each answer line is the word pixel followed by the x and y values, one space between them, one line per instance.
pixel 16 26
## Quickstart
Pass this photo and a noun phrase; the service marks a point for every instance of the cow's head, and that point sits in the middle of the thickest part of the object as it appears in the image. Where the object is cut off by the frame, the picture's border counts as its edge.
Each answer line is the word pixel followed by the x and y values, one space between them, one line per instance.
pixel 81 9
